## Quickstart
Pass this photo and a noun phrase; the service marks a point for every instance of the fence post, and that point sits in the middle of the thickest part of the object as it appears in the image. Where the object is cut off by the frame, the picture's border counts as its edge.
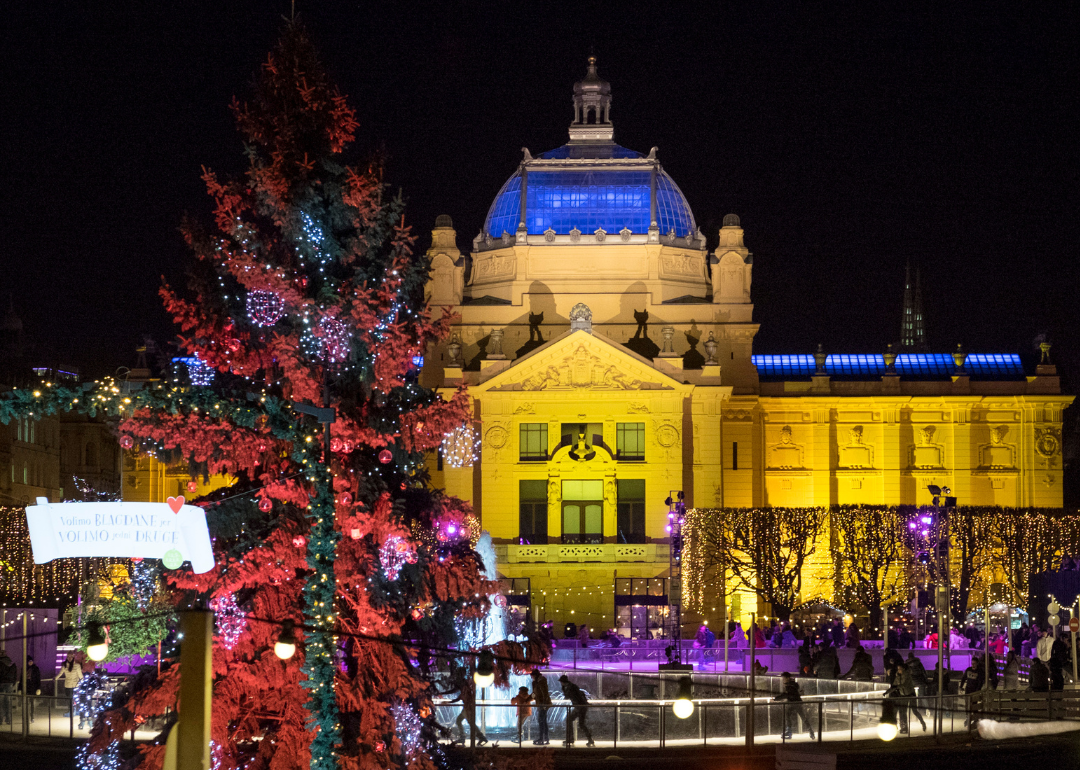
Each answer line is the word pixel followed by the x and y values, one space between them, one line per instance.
pixel 851 720
pixel 615 741
pixel 820 719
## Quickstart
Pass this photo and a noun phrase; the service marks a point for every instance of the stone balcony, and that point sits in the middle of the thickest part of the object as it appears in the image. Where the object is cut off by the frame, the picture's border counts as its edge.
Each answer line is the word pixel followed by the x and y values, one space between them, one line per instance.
pixel 607 553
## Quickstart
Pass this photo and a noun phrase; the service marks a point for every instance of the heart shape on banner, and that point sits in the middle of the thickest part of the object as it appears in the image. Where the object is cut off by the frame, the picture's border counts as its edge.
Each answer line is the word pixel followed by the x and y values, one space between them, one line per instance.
pixel 176 503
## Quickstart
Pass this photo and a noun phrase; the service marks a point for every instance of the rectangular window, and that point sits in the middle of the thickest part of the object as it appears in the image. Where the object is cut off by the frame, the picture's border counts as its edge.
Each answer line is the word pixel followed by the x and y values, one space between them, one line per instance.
pixel 630 440
pixel 631 511
pixel 583 511
pixel 532 501
pixel 735 455
pixel 533 443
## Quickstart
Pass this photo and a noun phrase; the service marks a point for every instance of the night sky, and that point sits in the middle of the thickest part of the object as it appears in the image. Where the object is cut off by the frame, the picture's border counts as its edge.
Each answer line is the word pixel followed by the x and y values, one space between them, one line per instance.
pixel 849 138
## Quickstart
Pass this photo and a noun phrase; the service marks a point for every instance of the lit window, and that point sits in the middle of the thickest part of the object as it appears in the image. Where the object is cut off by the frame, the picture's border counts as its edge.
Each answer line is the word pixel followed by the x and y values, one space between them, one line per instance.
pixel 630 440
pixel 631 511
pixel 533 441
pixel 583 511
pixel 532 499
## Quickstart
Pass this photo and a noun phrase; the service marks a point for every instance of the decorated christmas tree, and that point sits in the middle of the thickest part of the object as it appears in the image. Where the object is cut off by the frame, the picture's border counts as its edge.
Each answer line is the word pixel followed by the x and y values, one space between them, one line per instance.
pixel 303 329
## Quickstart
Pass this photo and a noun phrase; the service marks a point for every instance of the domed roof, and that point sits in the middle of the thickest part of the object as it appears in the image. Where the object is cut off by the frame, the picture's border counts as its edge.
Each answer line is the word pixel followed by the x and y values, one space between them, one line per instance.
pixel 590 198
pixel 590 183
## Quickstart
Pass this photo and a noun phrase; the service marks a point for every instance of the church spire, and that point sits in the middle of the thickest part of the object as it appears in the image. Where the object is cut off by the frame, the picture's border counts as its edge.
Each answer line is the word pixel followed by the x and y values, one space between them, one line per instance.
pixel 912 327
pixel 592 108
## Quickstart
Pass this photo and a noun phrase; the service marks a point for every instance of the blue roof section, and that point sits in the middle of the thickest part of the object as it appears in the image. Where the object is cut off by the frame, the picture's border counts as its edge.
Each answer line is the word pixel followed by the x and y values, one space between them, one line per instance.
pixel 590 199
pixel 505 212
pixel 910 366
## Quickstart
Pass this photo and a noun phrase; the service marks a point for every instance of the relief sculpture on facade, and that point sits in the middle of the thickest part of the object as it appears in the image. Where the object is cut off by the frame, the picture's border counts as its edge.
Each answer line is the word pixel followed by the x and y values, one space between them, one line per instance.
pixel 856 454
pixel 786 454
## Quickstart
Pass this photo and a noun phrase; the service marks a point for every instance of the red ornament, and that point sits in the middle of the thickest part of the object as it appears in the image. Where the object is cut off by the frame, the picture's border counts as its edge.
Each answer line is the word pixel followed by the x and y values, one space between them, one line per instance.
pixel 262 447
pixel 348 446
pixel 500 601
pixel 345 498
pixel 299 541
pixel 127 442
pixel 411 557
pixel 385 456
pixel 303 282
pixel 192 486
pixel 354 533
pixel 403 486
pixel 265 504
pixel 417 613
pixel 380 746
pixel 425 712
pixel 234 345
pixel 336 445
pixel 401 546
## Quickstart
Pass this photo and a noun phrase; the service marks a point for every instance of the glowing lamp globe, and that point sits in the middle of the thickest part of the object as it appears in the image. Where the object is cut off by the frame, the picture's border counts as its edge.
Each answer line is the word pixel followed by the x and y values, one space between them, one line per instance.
pixel 285 646
pixel 484 676
pixel 683 706
pixel 97 647
pixel 886 731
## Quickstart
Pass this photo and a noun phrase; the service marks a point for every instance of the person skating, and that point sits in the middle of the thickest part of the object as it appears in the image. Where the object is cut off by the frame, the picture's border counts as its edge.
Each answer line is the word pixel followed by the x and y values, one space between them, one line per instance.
pixel 9 675
pixel 795 708
pixel 33 684
pixel 523 701
pixel 578 710
pixel 467 697
pixel 862 666
pixel 72 674
pixel 905 687
pixel 542 698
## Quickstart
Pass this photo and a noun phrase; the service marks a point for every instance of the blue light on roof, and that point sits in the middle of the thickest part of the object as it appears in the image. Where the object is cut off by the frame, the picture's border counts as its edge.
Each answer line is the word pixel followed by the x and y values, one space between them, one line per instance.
pixel 590 200
pixel 505 212
pixel 910 366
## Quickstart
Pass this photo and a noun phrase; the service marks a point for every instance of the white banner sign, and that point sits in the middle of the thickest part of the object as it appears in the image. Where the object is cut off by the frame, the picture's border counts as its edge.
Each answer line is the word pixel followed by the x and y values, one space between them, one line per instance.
pixel 170 531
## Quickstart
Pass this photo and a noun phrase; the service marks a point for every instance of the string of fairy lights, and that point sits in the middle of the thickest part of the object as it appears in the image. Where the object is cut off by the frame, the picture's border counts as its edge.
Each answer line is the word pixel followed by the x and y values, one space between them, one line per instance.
pixel 989 545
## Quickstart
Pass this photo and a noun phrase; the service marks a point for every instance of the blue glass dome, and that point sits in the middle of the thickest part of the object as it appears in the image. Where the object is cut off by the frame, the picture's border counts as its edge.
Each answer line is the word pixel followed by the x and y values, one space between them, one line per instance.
pixel 589 199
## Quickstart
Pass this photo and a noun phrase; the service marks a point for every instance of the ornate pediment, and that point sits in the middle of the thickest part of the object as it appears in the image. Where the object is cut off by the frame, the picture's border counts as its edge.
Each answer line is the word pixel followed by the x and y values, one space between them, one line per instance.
pixel 581 361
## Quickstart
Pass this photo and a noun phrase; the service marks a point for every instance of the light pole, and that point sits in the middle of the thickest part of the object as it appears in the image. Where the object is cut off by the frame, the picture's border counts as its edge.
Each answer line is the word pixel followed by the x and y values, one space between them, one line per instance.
pixel 941 549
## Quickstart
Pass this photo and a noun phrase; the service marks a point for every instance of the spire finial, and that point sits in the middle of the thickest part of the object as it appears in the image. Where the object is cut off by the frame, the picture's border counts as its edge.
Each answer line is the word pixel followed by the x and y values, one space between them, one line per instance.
pixel 592 107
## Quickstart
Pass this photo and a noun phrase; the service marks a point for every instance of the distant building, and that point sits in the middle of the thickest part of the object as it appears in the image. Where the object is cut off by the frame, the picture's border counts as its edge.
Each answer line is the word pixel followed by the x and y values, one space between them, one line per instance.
pixel 609 357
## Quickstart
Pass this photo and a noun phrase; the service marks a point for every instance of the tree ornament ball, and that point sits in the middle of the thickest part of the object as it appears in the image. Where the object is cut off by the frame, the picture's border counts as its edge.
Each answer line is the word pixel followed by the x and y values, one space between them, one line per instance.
pixel 127 442
pixel 425 712
pixel 345 498
pixel 385 456
pixel 234 344
pixel 265 307
pixel 401 546
pixel 417 613
pixel 411 557
pixel 172 559
pixel 262 446
pixel 354 533
pixel 336 445
pixel 299 541
pixel 192 486
pixel 380 746
pixel 500 601
pixel 265 504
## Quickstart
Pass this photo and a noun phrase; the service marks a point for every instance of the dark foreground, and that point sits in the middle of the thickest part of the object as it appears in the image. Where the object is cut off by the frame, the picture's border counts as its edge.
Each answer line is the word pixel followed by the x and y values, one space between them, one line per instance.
pixel 1056 751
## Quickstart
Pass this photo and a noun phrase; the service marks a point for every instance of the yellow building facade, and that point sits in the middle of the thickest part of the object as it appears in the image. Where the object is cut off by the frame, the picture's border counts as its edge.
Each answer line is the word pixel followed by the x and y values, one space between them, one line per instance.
pixel 609 356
